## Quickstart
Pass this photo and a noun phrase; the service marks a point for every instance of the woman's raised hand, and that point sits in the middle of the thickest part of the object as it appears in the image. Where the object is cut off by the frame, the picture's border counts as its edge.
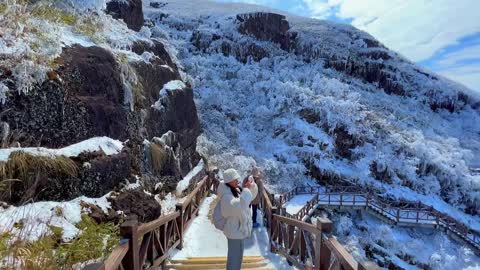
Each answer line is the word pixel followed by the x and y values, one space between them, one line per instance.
pixel 249 182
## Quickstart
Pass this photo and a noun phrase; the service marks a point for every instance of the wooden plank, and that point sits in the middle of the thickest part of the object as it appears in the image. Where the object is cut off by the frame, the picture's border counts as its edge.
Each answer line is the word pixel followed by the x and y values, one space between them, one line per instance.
pixel 144 247
pixel 94 266
pixel 150 226
pixel 215 266
pixel 190 196
pixel 161 259
pixel 213 260
pixel 291 259
pixel 129 230
pixel 345 258
pixel 115 259
pixel 302 225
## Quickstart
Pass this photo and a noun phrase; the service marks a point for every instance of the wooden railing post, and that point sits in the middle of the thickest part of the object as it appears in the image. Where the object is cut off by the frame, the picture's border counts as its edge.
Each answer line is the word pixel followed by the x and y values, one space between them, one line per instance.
pixel 272 227
pixel 129 230
pixel 322 252
pixel 180 219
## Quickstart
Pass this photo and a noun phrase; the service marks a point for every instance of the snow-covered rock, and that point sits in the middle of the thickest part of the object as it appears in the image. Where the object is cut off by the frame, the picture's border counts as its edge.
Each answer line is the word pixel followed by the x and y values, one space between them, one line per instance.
pixel 107 145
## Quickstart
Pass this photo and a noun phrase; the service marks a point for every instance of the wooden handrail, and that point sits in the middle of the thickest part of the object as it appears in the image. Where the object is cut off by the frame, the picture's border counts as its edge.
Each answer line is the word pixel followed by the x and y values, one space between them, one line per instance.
pixel 197 188
pixel 150 226
pixel 346 259
pixel 115 259
pixel 297 223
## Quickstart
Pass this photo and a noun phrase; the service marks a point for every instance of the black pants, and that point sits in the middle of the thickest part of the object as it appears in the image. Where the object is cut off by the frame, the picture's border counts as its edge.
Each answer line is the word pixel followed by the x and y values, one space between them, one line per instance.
pixel 254 212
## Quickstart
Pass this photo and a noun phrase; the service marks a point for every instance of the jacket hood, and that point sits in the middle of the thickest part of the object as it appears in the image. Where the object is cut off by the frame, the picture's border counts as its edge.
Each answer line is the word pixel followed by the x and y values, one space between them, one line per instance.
pixel 221 189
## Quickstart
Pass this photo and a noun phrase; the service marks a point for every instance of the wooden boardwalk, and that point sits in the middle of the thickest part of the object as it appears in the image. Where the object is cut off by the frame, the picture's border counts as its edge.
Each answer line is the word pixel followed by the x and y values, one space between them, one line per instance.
pixel 397 213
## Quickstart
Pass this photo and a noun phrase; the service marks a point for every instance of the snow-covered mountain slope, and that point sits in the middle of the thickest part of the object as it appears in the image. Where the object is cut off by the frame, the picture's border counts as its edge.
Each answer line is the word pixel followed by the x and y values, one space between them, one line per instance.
pixel 311 100
pixel 294 113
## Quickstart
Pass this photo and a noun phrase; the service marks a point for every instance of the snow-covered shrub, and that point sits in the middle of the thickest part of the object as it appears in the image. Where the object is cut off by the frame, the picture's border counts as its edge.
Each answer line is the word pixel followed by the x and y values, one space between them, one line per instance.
pixel 343 225
pixel 50 252
pixel 3 92
pixel 34 33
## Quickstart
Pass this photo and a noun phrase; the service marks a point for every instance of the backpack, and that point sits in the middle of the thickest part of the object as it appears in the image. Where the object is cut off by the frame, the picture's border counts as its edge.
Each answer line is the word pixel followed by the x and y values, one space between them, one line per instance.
pixel 216 214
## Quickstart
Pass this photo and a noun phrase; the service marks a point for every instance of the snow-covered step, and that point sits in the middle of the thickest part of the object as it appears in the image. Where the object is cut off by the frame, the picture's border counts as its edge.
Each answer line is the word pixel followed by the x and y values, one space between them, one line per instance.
pixel 249 262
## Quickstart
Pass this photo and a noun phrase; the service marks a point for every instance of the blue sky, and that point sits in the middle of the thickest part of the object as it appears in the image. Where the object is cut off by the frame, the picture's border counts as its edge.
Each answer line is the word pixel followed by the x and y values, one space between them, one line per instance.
pixel 441 35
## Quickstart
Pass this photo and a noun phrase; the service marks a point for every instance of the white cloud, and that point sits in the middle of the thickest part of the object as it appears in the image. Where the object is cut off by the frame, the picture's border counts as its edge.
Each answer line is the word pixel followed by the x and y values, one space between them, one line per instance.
pixel 416 29
pixel 255 2
pixel 455 58
pixel 468 75
pixel 462 65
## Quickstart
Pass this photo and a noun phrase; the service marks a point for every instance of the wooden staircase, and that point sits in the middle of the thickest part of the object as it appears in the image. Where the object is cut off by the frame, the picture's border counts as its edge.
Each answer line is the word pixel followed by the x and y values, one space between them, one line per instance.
pixel 192 263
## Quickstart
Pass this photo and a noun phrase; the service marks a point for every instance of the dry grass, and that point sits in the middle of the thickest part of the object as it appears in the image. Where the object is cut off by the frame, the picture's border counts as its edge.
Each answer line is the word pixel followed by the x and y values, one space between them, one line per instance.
pixel 22 164
pixel 158 156
pixel 53 14
pixel 90 26
pixel 3 8
pixel 29 169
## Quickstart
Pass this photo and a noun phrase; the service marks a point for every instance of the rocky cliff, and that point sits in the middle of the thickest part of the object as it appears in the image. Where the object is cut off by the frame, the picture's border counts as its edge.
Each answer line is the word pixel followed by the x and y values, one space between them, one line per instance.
pixel 98 91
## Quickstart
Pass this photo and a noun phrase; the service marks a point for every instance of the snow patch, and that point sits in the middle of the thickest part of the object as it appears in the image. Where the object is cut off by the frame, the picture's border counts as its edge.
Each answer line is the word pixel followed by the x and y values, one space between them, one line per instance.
pixel 107 145
pixel 185 182
pixel 168 203
pixel 35 218
pixel 171 86
pixel 297 203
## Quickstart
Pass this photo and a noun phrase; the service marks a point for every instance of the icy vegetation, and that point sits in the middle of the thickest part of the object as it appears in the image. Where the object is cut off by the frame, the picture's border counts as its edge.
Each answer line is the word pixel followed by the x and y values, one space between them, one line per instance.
pixel 307 114
pixel 403 247
pixel 317 103
pixel 33 36
pixel 289 114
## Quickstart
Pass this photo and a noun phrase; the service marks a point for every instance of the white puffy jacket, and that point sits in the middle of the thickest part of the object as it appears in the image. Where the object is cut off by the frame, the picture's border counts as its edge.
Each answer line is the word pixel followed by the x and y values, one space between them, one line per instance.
pixel 237 211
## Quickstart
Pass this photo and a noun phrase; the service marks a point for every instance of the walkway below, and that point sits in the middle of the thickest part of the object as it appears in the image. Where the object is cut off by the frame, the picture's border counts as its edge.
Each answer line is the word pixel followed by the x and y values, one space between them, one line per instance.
pixel 294 205
pixel 202 239
pixel 416 217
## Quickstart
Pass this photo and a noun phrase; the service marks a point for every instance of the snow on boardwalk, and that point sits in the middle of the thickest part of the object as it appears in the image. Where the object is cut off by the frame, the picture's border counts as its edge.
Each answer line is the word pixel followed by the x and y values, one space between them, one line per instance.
pixel 297 202
pixel 202 239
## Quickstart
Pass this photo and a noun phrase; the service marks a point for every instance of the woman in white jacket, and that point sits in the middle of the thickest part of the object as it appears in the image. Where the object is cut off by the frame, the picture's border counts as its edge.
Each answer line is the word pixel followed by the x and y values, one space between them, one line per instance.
pixel 234 205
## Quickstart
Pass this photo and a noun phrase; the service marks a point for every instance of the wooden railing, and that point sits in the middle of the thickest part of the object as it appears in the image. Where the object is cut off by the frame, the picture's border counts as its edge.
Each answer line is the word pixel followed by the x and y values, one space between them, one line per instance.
pixel 304 245
pixel 411 213
pixel 147 246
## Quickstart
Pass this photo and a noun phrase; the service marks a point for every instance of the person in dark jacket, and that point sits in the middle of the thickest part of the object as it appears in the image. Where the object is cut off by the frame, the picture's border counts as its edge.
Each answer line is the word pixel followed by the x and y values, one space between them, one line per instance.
pixel 256 201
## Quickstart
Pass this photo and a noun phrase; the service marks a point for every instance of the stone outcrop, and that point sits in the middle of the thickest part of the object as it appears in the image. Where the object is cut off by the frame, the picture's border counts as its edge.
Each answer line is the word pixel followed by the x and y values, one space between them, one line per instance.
pixel 136 204
pixel 88 102
pixel 130 11
pixel 275 28
pixel 86 99
pixel 242 50
pixel 267 27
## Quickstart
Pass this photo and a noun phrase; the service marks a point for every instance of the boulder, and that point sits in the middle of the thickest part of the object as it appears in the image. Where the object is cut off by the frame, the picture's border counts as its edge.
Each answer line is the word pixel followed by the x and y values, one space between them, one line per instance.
pixel 130 11
pixel 136 204
pixel 87 103
pixel 86 98
pixel 267 27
